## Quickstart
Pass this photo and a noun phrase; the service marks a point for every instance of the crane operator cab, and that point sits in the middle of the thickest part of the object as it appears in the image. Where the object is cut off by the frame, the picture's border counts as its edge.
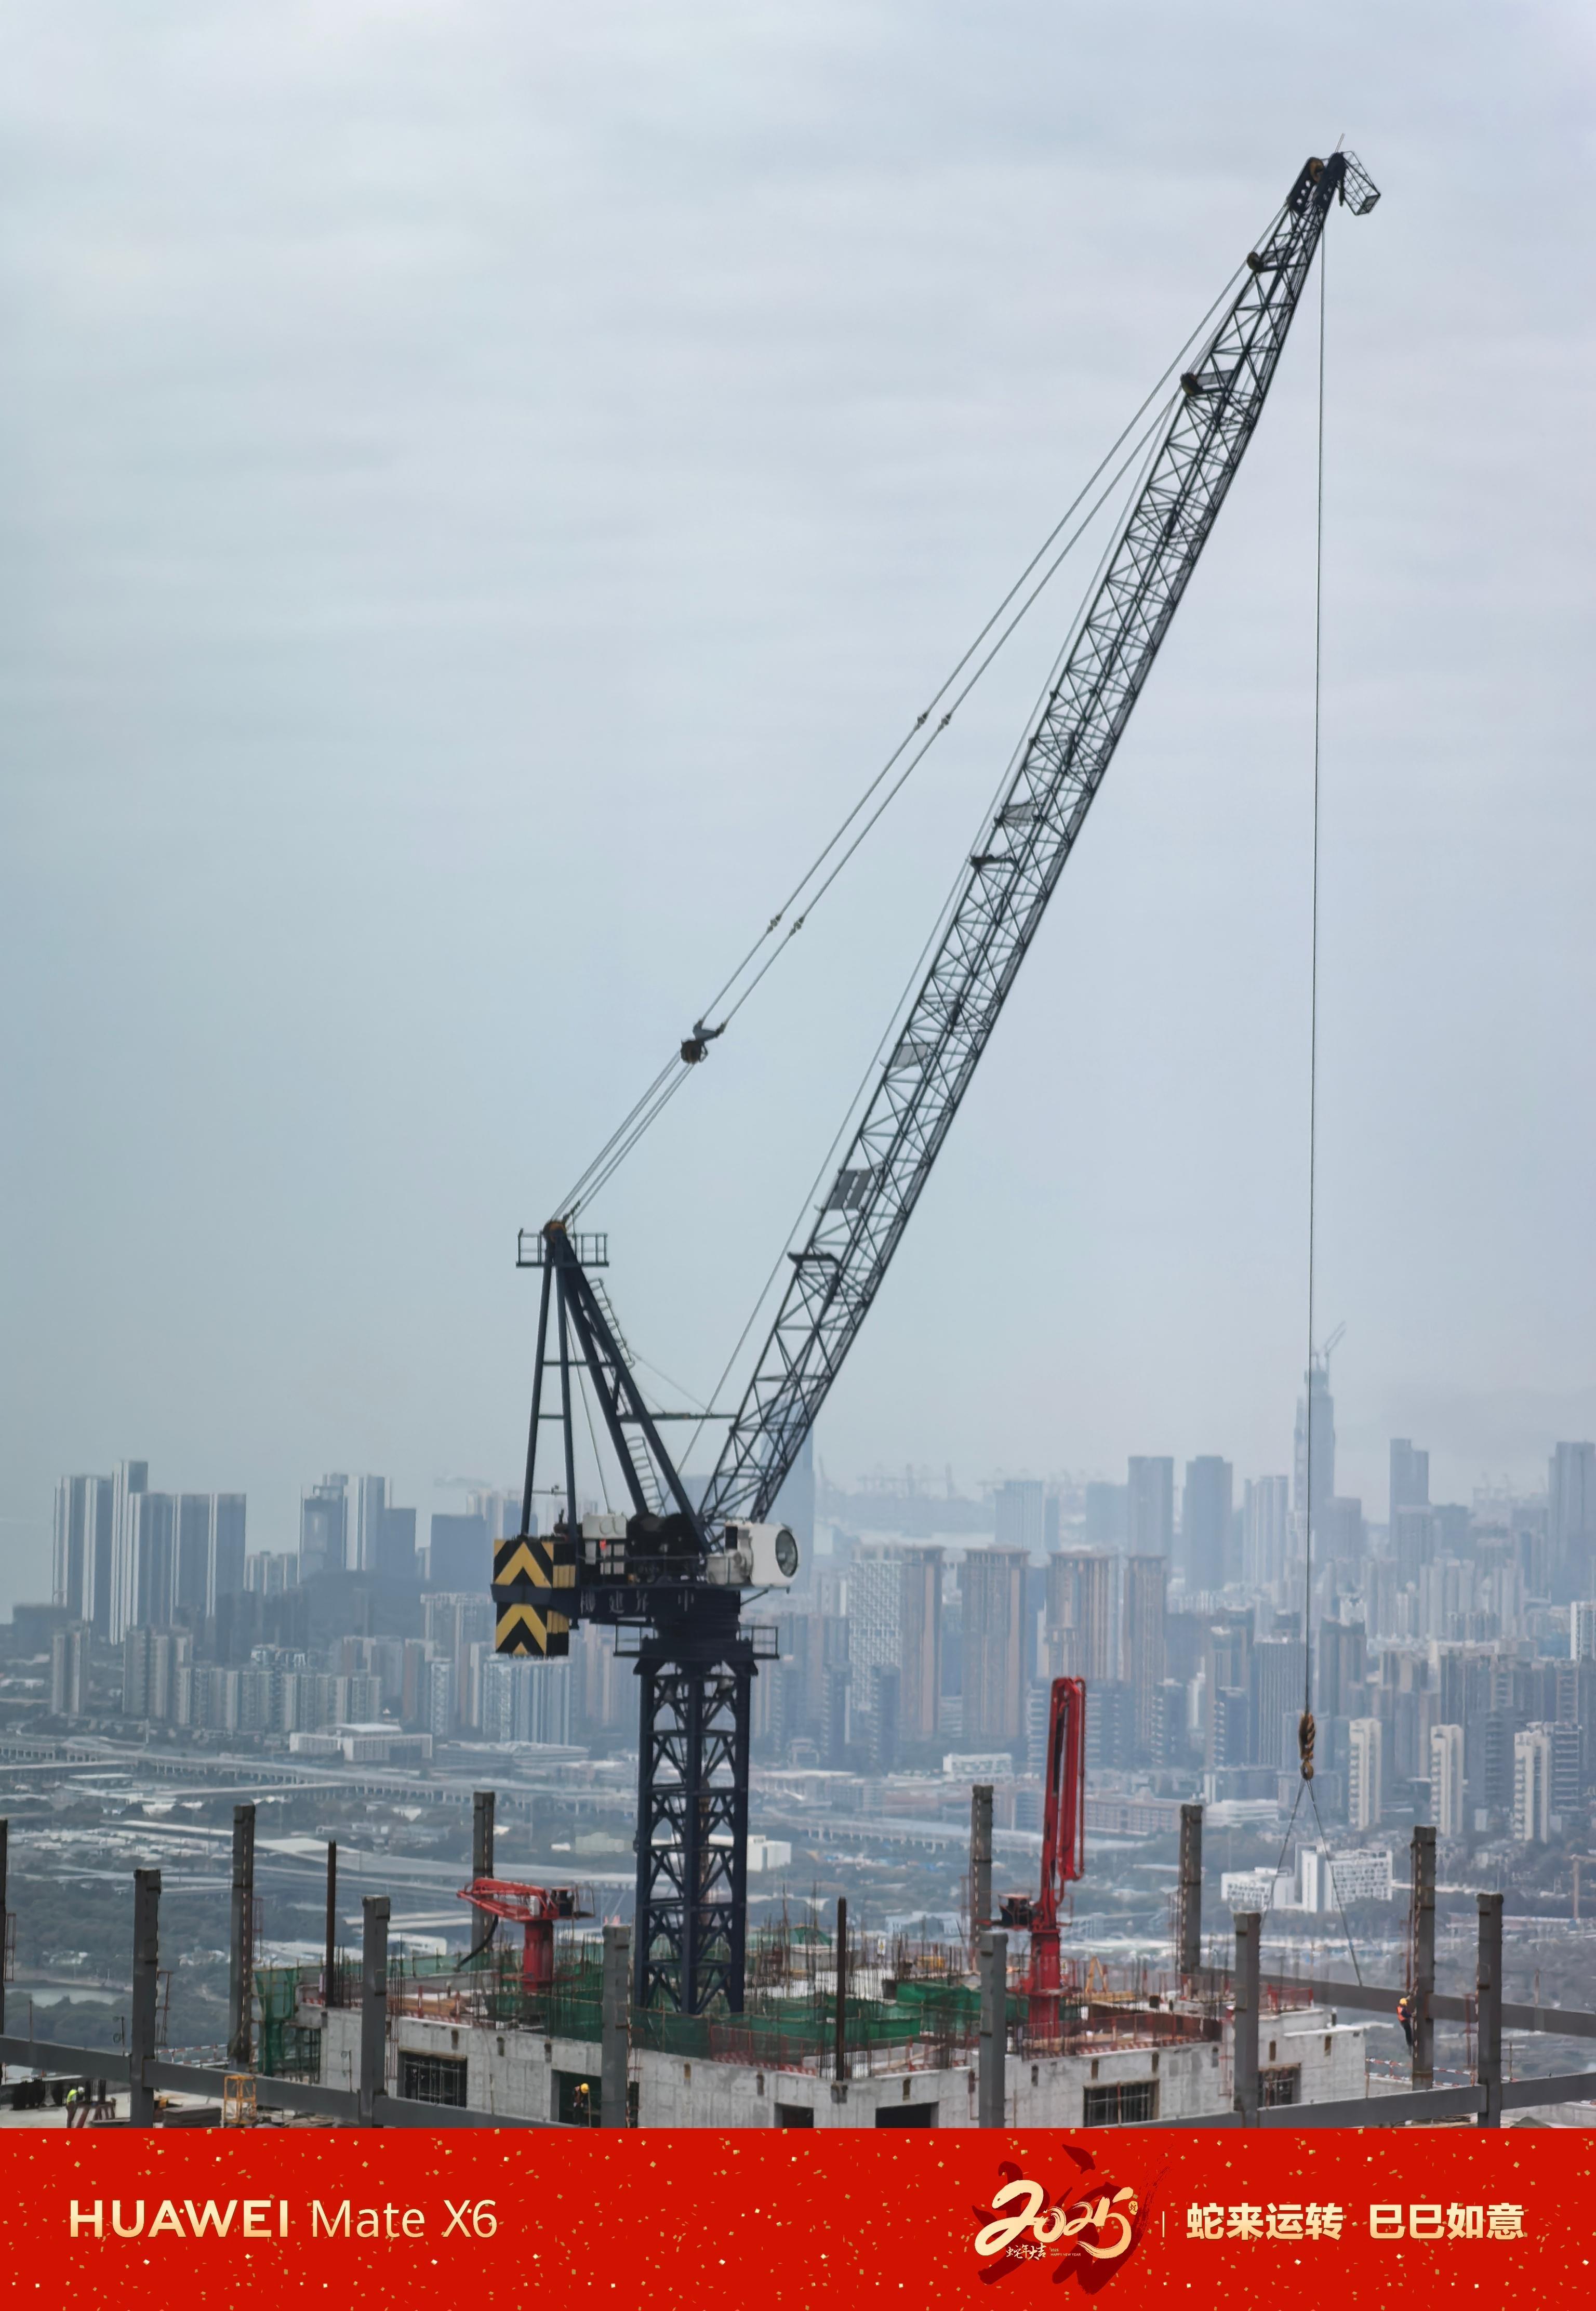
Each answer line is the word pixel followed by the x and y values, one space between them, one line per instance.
pixel 754 1556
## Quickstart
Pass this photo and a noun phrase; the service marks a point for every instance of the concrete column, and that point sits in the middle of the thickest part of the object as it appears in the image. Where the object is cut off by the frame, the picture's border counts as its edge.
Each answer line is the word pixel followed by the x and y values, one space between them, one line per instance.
pixel 482 1861
pixel 840 2067
pixel 330 1979
pixel 1249 1928
pixel 1189 1895
pixel 4 1916
pixel 1423 1956
pixel 240 2052
pixel 991 2094
pixel 374 2083
pixel 1488 1986
pixel 146 1985
pixel 980 1860
pixel 617 2016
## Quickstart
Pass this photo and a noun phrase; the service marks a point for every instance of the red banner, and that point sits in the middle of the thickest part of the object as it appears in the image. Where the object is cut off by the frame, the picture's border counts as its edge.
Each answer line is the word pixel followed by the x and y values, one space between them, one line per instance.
pixel 681 2220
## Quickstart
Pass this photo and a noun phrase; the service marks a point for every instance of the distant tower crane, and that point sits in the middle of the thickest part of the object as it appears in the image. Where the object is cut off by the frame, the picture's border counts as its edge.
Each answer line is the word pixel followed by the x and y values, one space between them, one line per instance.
pixel 669 1576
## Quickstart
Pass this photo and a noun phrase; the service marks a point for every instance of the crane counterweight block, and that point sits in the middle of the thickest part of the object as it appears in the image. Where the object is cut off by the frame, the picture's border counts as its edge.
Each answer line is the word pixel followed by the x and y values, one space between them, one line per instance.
pixel 528 1572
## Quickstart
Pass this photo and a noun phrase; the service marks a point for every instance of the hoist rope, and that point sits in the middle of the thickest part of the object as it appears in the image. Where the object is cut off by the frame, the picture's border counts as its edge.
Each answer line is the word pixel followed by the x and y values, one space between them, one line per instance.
pixel 1307 1724
pixel 997 630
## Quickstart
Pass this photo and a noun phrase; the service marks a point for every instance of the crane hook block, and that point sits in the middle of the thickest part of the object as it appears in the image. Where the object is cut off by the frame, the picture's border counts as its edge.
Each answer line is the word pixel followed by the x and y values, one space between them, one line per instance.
pixel 696 1046
pixel 1305 1737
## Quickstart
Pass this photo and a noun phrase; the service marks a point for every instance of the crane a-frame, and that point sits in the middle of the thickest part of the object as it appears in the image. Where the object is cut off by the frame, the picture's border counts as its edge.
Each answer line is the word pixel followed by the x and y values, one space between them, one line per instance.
pixel 669 1576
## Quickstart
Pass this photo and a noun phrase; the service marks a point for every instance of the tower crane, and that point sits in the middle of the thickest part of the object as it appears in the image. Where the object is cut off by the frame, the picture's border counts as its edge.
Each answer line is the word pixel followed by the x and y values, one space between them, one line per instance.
pixel 669 1576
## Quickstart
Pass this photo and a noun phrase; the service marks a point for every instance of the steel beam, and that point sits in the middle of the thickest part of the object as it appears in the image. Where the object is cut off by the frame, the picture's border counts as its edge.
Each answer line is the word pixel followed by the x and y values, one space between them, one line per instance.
pixel 329 1980
pixel 4 1914
pixel 842 2066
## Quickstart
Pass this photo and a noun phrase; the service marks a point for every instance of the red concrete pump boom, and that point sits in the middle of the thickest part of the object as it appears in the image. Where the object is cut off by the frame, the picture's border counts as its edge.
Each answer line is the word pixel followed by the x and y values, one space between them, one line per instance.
pixel 1063 1848
pixel 537 1909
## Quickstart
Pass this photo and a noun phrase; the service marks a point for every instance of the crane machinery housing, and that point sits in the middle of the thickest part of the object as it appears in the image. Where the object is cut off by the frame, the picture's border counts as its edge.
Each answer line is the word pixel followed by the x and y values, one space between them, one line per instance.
pixel 669 1576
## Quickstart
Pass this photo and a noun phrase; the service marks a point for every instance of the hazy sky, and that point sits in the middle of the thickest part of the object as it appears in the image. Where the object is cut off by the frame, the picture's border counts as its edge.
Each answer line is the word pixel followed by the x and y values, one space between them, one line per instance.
pixel 484 485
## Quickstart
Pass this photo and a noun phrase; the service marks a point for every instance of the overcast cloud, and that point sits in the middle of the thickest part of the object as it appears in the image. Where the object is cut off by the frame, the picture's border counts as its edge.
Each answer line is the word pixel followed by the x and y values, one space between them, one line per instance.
pixel 482 487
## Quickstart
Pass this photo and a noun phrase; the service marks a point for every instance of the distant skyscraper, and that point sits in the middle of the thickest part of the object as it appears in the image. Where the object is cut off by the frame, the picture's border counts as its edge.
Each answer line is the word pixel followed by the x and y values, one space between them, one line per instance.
pixel 1571 1515
pixel 1146 1580
pixel 920 1665
pixel 371 1506
pixel 992 1590
pixel 1532 1785
pixel 1079 1616
pixel 69 1670
pixel 1205 1522
pixel 1266 1530
pixel 1323 1437
pixel 1410 1479
pixel 1108 1514
pixel 461 1556
pixel 1278 1667
pixel 131 1478
pixel 795 1503
pixel 84 1525
pixel 1021 1505
pixel 191 1579
pixel 1446 1779
pixel 874 1614
pixel 1150 1506
pixel 1582 1630
pixel 150 1558
pixel 1412 1542
pixel 227 1546
pixel 324 1526
pixel 1365 1791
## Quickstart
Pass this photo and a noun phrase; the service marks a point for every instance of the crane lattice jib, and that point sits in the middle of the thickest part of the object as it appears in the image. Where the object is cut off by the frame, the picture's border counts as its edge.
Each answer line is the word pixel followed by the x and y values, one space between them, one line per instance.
pixel 1012 873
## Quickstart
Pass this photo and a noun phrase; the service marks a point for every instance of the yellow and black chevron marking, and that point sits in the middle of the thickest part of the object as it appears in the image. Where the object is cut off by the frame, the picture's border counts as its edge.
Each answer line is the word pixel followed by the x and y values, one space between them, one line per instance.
pixel 525 1563
pixel 525 1571
pixel 521 1629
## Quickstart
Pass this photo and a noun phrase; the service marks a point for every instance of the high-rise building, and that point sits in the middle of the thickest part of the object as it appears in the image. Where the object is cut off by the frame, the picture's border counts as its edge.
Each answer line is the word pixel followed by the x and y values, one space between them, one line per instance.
pixel 1266 1530
pixel 1340 1667
pixel 1412 1543
pixel 1206 1521
pixel 1279 1665
pixel 1150 1506
pixel 1582 1630
pixel 1021 1506
pixel 324 1528
pixel 795 1503
pixel 150 1661
pixel 992 1590
pixel 461 1554
pixel 500 1511
pixel 920 1663
pixel 129 1480
pixel 1108 1515
pixel 1410 1480
pixel 885 1686
pixel 1079 1616
pixel 1227 1668
pixel 440 1703
pixel 1532 1785
pixel 1446 1779
pixel 1316 1444
pixel 69 1670
pixel 1366 1791
pixel 384 1542
pixel 1571 1514
pixel 371 1506
pixel 228 1547
pixel 1141 1647
pixel 85 1524
pixel 191 1576
pixel 875 1614
pixel 148 1542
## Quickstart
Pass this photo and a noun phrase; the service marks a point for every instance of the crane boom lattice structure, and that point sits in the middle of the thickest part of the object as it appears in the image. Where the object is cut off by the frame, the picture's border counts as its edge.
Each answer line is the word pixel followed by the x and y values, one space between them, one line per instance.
pixel 673 1569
